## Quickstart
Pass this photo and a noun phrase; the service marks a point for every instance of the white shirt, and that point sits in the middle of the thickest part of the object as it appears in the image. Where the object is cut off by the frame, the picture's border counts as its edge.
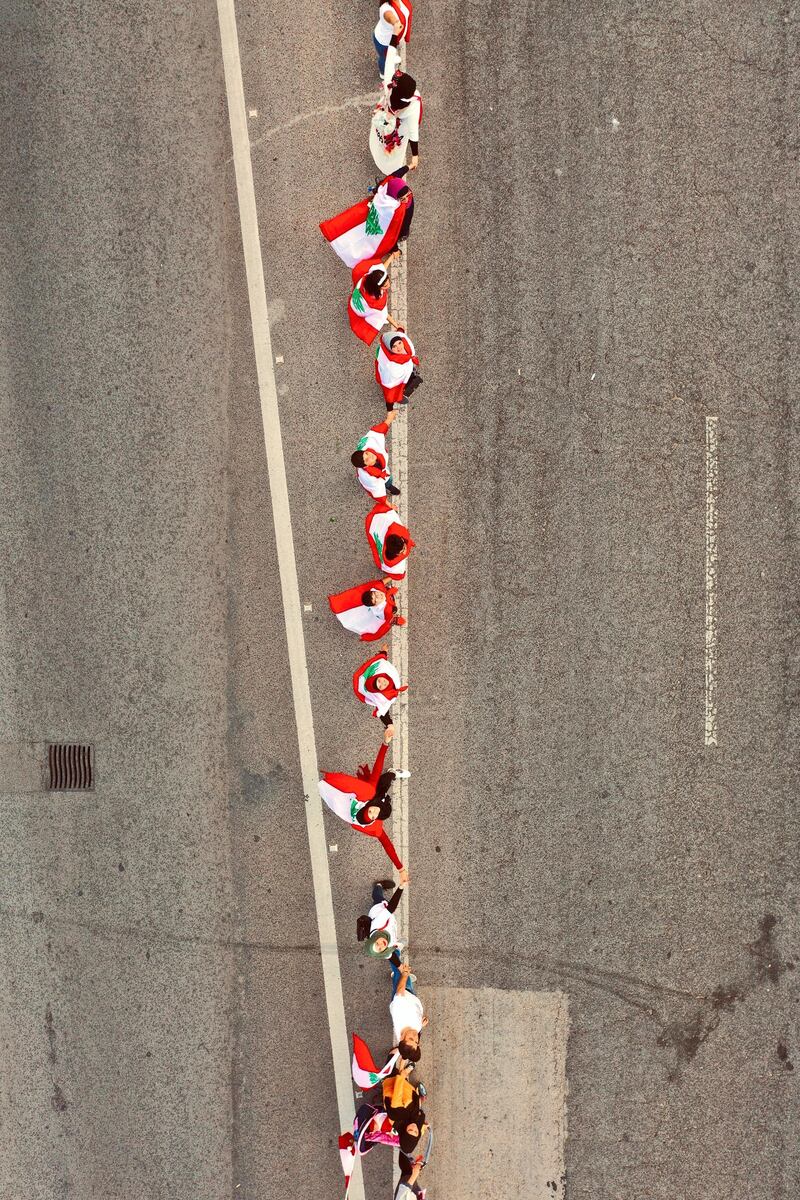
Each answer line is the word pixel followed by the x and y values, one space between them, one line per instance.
pixel 406 1012
pixel 384 32
pixel 382 921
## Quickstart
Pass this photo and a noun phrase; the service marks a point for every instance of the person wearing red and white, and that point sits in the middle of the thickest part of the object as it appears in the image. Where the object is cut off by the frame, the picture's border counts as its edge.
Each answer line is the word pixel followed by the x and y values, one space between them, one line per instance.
pixel 393 28
pixel 389 541
pixel 371 460
pixel 368 609
pixel 377 683
pixel 362 800
pixel 367 306
pixel 396 364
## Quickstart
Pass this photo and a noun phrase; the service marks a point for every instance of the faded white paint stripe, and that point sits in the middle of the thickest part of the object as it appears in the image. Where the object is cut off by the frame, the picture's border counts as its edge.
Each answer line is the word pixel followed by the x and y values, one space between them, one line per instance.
pixel 496 1072
pixel 712 480
pixel 270 415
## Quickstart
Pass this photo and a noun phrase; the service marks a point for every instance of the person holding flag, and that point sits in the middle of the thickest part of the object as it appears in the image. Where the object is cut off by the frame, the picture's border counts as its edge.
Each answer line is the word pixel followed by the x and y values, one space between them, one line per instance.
pixel 369 609
pixel 393 28
pixel 371 1127
pixel 389 541
pixel 377 683
pixel 366 308
pixel 373 227
pixel 371 461
pixel 396 366
pixel 362 800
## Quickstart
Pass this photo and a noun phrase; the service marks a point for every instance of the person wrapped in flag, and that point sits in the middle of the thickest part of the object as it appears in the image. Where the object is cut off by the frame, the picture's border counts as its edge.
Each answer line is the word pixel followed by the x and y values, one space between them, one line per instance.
pixel 389 540
pixel 377 684
pixel 367 307
pixel 393 28
pixel 373 227
pixel 396 367
pixel 369 609
pixel 371 460
pixel 363 801
pixel 395 124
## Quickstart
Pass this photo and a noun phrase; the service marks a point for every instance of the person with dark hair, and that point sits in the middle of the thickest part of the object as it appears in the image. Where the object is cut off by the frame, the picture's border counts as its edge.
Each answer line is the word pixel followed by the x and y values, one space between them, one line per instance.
pixel 362 800
pixel 382 941
pixel 371 460
pixel 377 683
pixel 402 1104
pixel 369 609
pixel 395 124
pixel 367 306
pixel 396 366
pixel 389 541
pixel 407 1186
pixel 407 1012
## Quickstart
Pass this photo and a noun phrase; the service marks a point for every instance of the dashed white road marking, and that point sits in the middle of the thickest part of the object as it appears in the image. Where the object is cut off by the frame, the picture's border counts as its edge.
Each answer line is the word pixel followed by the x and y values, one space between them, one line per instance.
pixel 281 513
pixel 712 479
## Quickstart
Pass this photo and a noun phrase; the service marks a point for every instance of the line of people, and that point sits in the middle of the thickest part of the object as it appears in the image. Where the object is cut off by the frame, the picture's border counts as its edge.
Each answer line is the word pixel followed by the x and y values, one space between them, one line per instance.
pixel 368 239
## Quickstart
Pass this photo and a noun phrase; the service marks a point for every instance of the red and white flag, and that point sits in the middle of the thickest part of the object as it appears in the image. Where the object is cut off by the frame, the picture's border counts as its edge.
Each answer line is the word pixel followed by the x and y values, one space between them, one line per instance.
pixel 365 1073
pixel 369 229
pixel 370 622
pixel 365 678
pixel 367 316
pixel 380 522
pixel 394 367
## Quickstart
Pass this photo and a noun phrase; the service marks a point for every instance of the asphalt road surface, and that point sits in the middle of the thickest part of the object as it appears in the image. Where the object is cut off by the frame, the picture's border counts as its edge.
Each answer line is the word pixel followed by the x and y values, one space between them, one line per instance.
pixel 604 254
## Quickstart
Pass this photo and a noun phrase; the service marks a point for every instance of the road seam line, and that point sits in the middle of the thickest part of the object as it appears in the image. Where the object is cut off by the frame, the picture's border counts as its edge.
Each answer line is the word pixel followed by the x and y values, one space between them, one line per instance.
pixel 712 480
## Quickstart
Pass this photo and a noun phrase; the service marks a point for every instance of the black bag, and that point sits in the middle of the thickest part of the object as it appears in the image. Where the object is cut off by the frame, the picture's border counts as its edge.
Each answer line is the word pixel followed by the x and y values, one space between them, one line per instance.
pixel 362 928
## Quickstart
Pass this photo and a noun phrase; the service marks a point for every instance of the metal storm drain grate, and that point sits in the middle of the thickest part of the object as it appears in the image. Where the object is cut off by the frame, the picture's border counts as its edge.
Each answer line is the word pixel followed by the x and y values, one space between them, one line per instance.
pixel 71 767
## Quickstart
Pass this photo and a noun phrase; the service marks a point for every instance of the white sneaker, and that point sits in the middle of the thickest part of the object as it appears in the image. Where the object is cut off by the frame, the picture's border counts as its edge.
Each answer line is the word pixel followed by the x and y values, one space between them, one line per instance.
pixel 402 774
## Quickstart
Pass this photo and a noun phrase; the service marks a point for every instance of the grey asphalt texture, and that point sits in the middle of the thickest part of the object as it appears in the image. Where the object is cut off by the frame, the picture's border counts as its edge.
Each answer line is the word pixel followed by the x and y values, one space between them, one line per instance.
pixel 604 252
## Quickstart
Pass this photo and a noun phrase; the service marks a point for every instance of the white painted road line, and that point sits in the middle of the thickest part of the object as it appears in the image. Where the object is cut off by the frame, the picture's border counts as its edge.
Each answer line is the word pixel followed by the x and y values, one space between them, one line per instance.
pixel 712 478
pixel 270 415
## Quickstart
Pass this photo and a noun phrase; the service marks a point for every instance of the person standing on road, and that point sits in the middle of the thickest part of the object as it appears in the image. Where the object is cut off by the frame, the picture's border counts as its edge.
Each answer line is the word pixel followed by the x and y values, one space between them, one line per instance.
pixel 371 461
pixel 372 227
pixel 389 541
pixel 407 1186
pixel 395 125
pixel 377 683
pixel 407 1013
pixel 396 366
pixel 368 609
pixel 362 800
pixel 382 941
pixel 367 306
pixel 393 27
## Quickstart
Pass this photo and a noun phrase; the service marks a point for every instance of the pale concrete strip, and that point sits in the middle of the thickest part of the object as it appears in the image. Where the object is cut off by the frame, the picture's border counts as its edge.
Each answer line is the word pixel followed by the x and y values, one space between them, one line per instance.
pixel 251 241
pixel 495 1065
pixel 400 473
pixel 712 479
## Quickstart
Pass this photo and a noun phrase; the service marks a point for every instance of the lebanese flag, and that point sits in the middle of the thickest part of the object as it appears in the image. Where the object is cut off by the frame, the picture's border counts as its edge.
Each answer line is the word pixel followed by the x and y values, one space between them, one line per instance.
pixel 345 794
pixel 403 8
pixel 369 229
pixel 393 370
pixel 369 623
pixel 380 702
pixel 365 1073
pixel 366 315
pixel 379 523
